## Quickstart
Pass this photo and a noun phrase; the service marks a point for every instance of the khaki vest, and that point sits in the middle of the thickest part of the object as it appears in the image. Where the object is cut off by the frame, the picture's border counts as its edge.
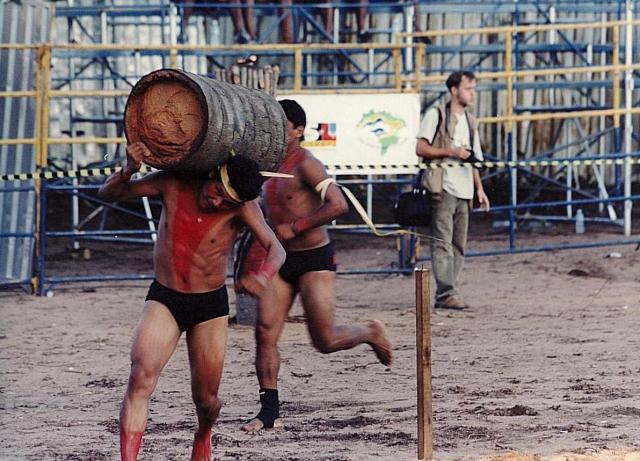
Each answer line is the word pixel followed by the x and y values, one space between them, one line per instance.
pixel 433 178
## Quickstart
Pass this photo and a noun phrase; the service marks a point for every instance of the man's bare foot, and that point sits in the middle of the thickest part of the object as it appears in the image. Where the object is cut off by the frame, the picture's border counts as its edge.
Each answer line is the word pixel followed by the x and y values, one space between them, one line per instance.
pixel 255 425
pixel 380 344
pixel 202 447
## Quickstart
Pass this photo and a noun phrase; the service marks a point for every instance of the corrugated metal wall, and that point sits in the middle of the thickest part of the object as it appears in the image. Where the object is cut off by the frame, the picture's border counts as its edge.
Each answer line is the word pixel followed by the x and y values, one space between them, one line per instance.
pixel 20 22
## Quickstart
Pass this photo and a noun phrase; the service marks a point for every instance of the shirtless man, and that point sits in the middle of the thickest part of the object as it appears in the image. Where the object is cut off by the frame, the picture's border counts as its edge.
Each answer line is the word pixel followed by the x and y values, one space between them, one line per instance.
pixel 200 219
pixel 298 209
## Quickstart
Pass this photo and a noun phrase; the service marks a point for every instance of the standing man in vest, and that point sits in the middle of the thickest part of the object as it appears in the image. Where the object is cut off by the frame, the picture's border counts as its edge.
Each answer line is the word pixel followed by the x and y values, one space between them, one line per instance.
pixel 449 133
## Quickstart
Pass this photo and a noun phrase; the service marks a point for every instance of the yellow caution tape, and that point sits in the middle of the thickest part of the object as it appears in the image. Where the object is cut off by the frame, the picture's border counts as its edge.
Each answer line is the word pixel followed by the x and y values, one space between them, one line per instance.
pixel 83 173
pixel 95 172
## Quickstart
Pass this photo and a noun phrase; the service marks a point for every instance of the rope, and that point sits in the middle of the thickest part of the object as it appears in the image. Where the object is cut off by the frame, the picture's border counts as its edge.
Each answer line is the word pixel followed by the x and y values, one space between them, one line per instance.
pixel 365 217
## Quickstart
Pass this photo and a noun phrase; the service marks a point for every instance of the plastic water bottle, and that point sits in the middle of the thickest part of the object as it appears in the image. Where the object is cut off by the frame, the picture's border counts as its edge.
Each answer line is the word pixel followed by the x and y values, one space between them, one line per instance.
pixel 579 222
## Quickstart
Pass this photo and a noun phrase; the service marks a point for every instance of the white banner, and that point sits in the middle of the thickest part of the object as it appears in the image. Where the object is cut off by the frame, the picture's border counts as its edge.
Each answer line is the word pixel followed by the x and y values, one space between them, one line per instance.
pixel 362 133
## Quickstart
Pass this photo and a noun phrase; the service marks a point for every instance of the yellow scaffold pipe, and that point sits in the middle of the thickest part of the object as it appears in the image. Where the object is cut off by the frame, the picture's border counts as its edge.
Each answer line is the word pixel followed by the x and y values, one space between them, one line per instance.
pixel 519 29
pixel 616 75
pixel 17 141
pixel 536 72
pixel 18 94
pixel 559 115
pixel 88 93
pixel 297 69
pixel 88 140
pixel 509 70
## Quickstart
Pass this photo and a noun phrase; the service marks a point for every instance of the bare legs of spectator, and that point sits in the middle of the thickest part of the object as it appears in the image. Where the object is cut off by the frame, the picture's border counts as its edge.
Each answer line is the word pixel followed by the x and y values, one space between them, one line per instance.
pixel 243 22
pixel 286 26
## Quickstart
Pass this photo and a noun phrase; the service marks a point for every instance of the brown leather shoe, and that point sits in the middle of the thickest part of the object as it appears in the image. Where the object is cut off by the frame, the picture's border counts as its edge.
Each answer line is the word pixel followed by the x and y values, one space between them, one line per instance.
pixel 453 303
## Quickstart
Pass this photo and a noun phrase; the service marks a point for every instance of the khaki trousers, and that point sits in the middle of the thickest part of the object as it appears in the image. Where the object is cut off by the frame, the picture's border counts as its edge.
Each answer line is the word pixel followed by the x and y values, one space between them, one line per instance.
pixel 450 223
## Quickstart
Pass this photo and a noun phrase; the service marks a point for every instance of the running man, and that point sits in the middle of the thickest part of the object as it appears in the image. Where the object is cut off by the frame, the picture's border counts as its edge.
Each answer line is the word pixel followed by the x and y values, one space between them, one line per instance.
pixel 298 210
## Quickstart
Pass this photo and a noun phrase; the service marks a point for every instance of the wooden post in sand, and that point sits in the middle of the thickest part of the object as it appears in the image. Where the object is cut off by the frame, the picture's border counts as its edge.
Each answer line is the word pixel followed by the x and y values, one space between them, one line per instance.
pixel 423 355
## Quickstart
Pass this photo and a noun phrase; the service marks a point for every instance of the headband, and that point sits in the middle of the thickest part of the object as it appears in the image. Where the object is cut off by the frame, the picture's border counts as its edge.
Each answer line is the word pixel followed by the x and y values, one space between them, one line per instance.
pixel 231 192
pixel 264 174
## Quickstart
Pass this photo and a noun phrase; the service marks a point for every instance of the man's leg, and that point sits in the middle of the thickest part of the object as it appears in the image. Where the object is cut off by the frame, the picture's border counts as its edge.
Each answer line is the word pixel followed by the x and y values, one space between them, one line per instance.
pixel 363 29
pixel 286 26
pixel 273 308
pixel 317 290
pixel 442 258
pixel 327 21
pixel 241 35
pixel 154 341
pixel 363 33
pixel 249 20
pixel 459 237
pixel 187 11
pixel 206 343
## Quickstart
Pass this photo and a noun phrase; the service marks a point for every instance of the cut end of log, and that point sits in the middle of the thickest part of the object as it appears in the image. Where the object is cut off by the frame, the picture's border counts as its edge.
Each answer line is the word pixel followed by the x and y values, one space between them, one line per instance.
pixel 166 114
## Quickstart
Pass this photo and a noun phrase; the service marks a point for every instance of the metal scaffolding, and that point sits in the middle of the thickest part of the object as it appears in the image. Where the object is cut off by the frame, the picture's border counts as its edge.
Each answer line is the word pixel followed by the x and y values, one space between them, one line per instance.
pixel 556 78
pixel 19 134
pixel 557 83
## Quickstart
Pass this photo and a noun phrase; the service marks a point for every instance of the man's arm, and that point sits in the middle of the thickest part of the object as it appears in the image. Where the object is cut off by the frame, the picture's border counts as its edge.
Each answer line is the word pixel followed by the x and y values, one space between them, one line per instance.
pixel 477 150
pixel 426 150
pixel 253 218
pixel 312 172
pixel 119 187
pixel 482 197
pixel 427 130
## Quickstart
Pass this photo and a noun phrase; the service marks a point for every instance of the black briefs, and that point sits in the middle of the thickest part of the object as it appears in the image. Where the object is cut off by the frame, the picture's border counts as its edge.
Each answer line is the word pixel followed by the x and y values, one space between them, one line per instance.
pixel 189 309
pixel 299 263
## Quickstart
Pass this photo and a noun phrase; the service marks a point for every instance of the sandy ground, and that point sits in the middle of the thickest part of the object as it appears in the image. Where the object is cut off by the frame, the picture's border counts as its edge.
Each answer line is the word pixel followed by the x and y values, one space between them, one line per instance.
pixel 547 362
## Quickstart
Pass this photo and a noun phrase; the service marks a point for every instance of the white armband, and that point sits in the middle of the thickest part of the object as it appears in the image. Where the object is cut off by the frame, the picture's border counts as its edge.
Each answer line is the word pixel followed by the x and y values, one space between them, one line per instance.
pixel 322 187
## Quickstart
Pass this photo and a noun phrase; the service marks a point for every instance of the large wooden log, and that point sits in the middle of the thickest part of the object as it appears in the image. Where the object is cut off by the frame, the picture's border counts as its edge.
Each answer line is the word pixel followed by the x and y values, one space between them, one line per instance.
pixel 191 123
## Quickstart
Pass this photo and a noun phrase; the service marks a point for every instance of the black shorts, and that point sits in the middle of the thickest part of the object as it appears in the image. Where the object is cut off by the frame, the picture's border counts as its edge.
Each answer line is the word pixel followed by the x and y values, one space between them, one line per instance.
pixel 189 309
pixel 301 262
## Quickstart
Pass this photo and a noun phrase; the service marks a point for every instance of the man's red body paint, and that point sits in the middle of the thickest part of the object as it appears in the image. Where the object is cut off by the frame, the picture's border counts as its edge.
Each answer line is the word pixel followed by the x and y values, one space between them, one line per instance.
pixel 202 447
pixel 190 226
pixel 130 445
pixel 289 164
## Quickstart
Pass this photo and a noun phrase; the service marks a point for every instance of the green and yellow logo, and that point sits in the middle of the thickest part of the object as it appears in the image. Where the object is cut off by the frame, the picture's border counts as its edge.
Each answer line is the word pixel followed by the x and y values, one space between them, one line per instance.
pixel 381 129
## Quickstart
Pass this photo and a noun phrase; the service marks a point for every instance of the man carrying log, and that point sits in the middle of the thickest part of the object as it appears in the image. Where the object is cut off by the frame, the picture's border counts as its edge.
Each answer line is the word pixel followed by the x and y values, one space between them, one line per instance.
pixel 201 217
pixel 298 210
